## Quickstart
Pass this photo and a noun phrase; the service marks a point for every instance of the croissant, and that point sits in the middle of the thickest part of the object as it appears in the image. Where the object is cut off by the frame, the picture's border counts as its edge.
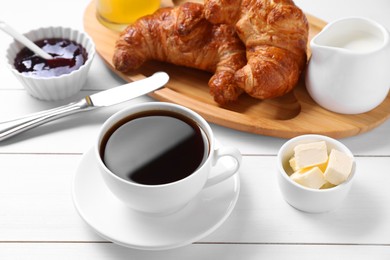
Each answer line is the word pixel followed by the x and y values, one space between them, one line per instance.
pixel 181 35
pixel 222 11
pixel 275 33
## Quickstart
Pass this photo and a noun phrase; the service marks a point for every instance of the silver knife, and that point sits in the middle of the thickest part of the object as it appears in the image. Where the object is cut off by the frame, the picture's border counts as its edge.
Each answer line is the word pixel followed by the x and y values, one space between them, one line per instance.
pixel 101 99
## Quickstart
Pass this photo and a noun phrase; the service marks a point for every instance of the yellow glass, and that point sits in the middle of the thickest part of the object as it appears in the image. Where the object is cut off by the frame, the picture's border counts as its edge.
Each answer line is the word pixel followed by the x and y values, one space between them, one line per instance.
pixel 117 14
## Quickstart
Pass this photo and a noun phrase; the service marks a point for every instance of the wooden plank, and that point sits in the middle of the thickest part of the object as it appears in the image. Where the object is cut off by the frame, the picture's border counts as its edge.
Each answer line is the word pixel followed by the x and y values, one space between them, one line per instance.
pixel 36 205
pixel 105 251
pixel 76 133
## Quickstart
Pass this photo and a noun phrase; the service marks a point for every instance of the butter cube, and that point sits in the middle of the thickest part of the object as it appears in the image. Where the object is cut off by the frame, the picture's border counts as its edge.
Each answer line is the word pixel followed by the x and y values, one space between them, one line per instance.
pixel 310 154
pixel 312 178
pixel 293 164
pixel 328 185
pixel 295 168
pixel 339 167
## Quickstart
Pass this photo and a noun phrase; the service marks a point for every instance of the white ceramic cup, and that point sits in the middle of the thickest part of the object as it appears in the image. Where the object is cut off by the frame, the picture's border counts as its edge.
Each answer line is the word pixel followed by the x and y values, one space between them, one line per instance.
pixel 170 197
pixel 307 199
pixel 348 71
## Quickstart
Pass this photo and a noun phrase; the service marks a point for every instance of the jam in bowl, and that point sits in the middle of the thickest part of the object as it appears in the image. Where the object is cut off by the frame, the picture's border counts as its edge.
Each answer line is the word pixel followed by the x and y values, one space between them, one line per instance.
pixel 60 77
pixel 67 56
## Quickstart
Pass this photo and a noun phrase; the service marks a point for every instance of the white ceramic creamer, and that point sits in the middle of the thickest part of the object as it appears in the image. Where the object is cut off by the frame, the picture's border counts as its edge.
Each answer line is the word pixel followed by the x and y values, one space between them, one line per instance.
pixel 349 70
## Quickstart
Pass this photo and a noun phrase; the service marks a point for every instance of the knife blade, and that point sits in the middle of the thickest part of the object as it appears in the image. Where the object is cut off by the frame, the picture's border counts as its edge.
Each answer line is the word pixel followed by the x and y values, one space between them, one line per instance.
pixel 104 98
pixel 129 91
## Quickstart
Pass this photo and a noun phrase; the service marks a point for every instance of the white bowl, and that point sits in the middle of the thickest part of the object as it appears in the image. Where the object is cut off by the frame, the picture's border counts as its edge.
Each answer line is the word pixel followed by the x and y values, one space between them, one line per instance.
pixel 308 199
pixel 58 87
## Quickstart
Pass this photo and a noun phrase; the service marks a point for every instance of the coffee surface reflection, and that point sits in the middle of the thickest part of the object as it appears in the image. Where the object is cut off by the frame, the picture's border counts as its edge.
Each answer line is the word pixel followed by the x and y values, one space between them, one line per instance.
pixel 154 147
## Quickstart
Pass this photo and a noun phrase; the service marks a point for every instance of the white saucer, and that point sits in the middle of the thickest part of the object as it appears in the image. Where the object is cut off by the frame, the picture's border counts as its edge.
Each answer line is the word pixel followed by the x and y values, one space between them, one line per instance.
pixel 116 222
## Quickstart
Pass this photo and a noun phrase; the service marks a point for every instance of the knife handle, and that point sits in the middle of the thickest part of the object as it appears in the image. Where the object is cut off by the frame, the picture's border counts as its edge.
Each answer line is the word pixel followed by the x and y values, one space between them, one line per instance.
pixel 14 127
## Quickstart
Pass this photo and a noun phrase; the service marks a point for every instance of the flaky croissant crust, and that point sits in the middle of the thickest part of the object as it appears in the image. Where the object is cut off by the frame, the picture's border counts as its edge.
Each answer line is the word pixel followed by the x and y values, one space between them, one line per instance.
pixel 275 33
pixel 182 36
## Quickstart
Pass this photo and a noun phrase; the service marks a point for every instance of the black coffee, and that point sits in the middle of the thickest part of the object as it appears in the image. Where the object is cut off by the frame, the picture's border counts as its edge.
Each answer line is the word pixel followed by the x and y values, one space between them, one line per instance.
pixel 154 147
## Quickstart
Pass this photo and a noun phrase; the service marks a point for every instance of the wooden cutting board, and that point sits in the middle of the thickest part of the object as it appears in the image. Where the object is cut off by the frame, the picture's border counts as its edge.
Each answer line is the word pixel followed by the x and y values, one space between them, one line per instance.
pixel 288 116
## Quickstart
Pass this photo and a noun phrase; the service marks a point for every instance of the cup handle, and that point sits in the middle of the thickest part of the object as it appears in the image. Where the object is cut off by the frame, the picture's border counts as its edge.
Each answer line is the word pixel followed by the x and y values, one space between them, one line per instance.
pixel 218 154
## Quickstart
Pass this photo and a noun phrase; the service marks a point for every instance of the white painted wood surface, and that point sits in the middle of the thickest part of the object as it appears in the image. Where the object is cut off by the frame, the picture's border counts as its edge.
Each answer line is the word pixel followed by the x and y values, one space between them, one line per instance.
pixel 38 220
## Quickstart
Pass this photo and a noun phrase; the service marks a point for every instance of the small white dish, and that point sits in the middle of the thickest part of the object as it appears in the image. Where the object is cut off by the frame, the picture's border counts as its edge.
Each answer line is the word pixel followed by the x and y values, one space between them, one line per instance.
pixel 56 87
pixel 308 199
pixel 116 222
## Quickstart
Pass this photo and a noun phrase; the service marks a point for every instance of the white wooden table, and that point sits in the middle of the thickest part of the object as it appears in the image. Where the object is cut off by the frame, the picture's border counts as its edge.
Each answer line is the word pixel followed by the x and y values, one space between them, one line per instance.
pixel 38 219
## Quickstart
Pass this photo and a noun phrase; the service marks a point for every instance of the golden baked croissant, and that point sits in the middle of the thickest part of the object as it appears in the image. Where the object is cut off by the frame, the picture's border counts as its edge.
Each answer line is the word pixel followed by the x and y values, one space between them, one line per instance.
pixel 222 11
pixel 182 36
pixel 275 33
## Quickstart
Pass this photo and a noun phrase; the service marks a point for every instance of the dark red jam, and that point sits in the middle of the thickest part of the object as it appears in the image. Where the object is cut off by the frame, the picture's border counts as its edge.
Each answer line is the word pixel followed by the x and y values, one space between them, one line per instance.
pixel 68 56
